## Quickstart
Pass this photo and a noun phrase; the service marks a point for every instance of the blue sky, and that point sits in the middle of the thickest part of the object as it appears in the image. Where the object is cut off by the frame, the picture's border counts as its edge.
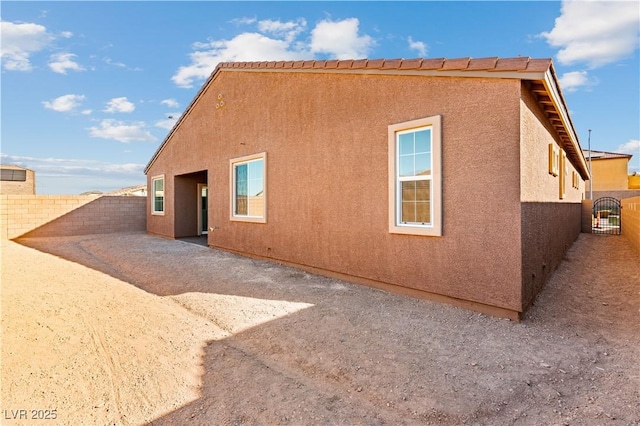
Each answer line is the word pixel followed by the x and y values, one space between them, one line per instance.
pixel 90 89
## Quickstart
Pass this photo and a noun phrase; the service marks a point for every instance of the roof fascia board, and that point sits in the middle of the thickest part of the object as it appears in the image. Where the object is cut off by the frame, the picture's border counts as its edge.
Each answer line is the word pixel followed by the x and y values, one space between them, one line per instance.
pixel 551 85
pixel 523 75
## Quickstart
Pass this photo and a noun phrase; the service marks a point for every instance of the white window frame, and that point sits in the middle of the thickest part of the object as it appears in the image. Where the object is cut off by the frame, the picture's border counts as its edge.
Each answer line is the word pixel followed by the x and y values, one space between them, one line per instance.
pixel 154 179
pixel 232 180
pixel 395 225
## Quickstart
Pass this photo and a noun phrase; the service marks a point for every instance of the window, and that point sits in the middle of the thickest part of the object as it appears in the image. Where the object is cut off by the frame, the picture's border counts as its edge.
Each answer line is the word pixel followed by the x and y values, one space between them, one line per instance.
pixel 13 175
pixel 248 188
pixel 157 191
pixel 415 200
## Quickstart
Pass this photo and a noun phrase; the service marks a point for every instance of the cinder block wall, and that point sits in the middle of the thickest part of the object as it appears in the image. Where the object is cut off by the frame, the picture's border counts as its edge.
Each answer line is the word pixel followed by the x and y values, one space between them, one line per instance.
pixel 631 221
pixel 587 211
pixel 64 215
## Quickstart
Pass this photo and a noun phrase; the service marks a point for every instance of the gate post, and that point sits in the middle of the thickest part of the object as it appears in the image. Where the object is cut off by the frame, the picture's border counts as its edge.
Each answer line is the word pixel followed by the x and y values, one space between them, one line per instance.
pixel 587 211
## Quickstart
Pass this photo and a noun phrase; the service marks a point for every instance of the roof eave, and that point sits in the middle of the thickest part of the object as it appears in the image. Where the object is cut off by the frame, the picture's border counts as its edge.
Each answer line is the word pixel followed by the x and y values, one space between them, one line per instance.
pixel 186 112
pixel 550 82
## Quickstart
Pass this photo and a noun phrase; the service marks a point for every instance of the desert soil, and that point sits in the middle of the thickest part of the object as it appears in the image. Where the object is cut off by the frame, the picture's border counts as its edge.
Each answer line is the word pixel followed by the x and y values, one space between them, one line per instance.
pixel 134 329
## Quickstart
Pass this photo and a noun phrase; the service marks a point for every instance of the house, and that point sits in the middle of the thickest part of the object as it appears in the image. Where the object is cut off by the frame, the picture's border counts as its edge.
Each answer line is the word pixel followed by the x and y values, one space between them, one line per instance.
pixel 16 180
pixel 135 190
pixel 456 180
pixel 610 178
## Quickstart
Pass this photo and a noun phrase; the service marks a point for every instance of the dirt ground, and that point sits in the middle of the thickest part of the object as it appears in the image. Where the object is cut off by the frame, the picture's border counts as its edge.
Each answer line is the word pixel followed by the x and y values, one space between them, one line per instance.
pixel 135 329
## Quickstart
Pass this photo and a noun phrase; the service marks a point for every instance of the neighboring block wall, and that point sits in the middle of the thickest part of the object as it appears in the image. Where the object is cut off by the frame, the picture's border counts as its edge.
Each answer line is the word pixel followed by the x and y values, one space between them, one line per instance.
pixel 63 215
pixel 631 221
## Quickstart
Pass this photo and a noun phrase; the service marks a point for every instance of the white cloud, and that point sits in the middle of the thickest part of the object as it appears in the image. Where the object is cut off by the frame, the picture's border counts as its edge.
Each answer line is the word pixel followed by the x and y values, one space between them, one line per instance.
pixel 276 40
pixel 19 41
pixel 243 47
pixel 595 32
pixel 631 147
pixel 289 30
pixel 244 21
pixel 73 176
pixel 70 164
pixel 122 132
pixel 108 61
pixel 340 39
pixel 171 103
pixel 61 62
pixel 119 105
pixel 65 103
pixel 571 81
pixel 418 46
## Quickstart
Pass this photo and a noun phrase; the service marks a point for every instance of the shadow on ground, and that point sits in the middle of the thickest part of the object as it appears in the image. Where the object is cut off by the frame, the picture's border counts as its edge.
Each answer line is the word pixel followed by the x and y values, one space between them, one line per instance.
pixel 364 356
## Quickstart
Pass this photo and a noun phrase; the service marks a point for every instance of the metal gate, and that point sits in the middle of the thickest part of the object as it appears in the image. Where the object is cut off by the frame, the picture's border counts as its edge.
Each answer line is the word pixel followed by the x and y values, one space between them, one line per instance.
pixel 606 216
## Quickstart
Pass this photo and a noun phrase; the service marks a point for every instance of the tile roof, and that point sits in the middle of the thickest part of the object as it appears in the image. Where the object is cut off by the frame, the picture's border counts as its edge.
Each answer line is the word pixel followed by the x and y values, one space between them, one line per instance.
pixel 519 64
pixel 539 75
pixel 600 155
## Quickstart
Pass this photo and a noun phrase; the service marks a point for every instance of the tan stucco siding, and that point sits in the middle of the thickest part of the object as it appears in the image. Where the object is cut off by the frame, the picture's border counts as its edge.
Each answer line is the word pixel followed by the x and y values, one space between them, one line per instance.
pixel 327 173
pixel 537 184
pixel 610 174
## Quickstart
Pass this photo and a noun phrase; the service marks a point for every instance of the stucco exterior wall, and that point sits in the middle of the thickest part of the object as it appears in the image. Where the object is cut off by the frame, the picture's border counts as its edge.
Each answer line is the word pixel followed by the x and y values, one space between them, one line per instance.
pixel 550 223
pixel 630 218
pixel 64 215
pixel 548 231
pixel 327 195
pixel 610 174
pixel 537 184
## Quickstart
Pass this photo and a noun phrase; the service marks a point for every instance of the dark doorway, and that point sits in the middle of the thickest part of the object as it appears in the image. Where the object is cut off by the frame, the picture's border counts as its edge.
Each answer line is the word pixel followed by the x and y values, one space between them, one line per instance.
pixel 188 189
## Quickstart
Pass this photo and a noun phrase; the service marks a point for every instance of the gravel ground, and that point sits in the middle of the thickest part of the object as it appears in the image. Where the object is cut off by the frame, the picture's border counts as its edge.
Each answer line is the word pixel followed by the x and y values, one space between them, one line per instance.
pixel 135 329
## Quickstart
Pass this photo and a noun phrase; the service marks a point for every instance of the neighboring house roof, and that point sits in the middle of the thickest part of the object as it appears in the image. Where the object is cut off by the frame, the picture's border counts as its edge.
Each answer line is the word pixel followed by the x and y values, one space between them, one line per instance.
pixel 13 167
pixel 540 74
pixel 601 155
pixel 129 190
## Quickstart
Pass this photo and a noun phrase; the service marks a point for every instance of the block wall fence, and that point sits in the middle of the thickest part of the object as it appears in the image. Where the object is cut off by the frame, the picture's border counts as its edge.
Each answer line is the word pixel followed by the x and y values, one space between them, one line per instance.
pixel 67 215
pixel 630 218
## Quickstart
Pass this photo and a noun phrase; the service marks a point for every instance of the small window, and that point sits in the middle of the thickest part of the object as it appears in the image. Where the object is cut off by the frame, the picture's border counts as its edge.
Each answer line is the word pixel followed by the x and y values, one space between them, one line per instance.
pixel 248 188
pixel 157 191
pixel 12 175
pixel 415 205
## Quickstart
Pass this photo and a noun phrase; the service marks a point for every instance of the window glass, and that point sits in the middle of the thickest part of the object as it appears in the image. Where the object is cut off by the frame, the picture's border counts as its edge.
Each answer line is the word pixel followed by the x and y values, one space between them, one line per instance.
pixel 158 195
pixel 241 190
pixel 414 172
pixel 249 189
pixel 423 140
